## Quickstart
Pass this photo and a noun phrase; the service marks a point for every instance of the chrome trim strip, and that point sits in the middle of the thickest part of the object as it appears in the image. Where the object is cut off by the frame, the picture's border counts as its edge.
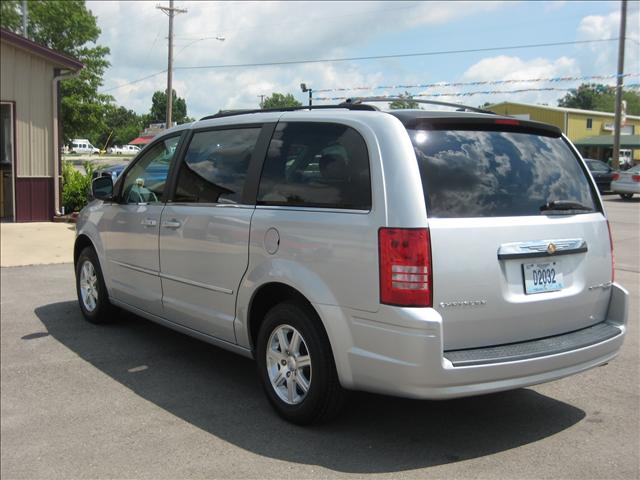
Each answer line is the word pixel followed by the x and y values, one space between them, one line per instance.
pixel 240 206
pixel 540 248
pixel 137 269
pixel 174 278
pixel 313 209
pixel 196 284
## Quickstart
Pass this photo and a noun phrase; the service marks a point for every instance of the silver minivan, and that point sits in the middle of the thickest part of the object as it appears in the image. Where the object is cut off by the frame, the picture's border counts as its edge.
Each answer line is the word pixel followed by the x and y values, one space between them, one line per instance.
pixel 424 254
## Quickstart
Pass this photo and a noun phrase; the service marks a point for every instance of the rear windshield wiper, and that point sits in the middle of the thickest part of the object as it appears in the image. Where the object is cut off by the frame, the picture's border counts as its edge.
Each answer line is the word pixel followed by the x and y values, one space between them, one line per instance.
pixel 561 205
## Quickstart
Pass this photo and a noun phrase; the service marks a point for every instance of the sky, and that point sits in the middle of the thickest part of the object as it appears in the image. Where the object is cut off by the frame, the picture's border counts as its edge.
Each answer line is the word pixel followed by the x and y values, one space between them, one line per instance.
pixel 263 32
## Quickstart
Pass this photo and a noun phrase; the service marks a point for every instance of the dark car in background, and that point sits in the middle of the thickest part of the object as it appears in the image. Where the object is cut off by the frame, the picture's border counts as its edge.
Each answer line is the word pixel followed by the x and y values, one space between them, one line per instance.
pixel 114 171
pixel 601 173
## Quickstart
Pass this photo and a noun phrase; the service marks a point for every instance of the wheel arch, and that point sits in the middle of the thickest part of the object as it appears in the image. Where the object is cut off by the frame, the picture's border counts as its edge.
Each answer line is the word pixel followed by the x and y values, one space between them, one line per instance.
pixel 82 241
pixel 266 297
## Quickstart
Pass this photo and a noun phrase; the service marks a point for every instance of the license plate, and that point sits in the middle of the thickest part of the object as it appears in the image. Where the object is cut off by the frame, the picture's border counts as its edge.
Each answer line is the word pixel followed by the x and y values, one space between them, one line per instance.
pixel 542 277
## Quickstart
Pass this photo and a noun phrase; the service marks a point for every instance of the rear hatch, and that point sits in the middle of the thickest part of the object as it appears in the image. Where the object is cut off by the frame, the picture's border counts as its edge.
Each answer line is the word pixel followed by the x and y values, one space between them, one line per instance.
pixel 519 242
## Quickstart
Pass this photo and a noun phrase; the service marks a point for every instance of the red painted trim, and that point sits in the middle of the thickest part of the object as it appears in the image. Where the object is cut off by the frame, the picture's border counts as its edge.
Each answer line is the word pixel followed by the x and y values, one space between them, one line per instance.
pixel 34 199
pixel 55 57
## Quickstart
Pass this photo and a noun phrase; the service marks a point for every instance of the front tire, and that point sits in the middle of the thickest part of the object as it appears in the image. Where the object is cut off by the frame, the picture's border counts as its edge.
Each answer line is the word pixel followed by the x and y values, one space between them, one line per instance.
pixel 92 293
pixel 296 366
pixel 626 196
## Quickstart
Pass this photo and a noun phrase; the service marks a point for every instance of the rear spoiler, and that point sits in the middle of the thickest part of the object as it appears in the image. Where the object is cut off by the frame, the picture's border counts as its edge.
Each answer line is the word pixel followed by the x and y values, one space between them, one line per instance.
pixel 500 124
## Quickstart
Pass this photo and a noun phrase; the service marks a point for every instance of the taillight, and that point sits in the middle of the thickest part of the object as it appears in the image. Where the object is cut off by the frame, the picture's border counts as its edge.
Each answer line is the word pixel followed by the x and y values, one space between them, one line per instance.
pixel 613 258
pixel 506 121
pixel 615 176
pixel 635 178
pixel 406 278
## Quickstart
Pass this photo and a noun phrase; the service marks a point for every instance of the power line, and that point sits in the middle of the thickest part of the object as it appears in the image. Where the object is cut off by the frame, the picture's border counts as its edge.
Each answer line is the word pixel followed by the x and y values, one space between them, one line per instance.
pixel 134 81
pixel 388 56
pixel 399 55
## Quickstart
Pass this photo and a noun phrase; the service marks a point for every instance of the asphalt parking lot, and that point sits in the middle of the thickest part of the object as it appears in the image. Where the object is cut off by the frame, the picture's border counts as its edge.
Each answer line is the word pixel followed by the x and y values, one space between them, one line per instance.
pixel 136 400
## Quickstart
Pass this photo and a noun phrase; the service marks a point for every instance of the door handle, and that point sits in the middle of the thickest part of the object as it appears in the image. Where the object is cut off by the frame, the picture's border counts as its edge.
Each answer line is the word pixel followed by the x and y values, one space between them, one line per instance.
pixel 149 222
pixel 171 224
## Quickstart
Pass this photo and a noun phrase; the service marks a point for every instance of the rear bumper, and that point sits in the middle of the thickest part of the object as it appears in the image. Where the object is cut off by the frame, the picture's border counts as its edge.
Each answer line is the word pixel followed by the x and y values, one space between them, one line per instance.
pixel 625 187
pixel 403 354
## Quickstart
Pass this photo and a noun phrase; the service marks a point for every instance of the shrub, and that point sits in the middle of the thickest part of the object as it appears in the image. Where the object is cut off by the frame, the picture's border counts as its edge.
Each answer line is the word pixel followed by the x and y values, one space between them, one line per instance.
pixel 75 186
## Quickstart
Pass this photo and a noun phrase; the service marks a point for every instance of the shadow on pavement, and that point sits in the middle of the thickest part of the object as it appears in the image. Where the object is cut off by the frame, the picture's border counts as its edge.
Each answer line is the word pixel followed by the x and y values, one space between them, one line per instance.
pixel 218 392
pixel 617 199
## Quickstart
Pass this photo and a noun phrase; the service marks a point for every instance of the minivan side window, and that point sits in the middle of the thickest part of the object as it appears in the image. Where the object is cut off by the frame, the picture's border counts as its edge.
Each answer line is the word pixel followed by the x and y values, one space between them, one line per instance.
pixel 146 180
pixel 215 166
pixel 313 164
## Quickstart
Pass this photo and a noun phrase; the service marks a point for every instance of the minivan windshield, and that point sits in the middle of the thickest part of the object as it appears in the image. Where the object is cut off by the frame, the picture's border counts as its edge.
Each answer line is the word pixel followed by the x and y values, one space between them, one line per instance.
pixel 471 173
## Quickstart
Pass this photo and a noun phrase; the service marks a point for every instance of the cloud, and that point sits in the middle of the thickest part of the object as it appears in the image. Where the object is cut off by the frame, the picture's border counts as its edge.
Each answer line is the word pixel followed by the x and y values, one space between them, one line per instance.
pixel 503 67
pixel 604 56
pixel 254 32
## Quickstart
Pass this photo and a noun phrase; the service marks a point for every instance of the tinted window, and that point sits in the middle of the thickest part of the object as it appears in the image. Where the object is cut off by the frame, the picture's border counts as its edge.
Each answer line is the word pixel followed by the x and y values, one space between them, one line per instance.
pixel 496 174
pixel 316 165
pixel 146 180
pixel 215 166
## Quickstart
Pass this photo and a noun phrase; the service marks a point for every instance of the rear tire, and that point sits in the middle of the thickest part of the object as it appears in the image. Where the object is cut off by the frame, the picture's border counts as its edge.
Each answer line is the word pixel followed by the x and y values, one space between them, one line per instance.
pixel 92 292
pixel 296 367
pixel 626 196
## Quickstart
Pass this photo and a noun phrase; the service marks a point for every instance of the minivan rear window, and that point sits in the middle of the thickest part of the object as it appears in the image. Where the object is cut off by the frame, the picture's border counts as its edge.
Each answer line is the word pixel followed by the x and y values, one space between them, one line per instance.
pixel 498 174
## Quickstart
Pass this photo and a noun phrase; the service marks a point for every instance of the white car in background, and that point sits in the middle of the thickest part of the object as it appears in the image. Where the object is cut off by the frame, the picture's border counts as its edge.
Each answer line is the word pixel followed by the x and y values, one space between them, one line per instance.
pixel 626 183
pixel 124 150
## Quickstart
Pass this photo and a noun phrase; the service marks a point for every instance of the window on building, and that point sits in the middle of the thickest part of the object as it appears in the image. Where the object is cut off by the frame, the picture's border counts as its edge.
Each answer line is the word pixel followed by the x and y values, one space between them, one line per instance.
pixel 316 165
pixel 589 123
pixel 215 166
pixel 6 161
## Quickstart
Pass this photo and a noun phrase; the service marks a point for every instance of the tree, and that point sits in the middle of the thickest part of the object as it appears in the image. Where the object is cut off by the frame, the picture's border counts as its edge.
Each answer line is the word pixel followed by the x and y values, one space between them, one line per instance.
pixel 70 28
pixel 591 96
pixel 122 126
pixel 158 113
pixel 278 100
pixel 406 102
pixel 10 16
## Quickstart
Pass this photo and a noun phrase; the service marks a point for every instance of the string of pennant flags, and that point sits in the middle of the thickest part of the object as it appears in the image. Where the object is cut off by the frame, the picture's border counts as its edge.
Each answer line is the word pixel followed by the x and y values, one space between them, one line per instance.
pixel 464 94
pixel 477 83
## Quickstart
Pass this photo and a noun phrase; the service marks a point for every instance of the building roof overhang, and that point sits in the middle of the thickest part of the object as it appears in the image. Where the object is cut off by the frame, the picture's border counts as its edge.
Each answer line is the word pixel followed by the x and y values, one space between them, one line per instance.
pixel 626 141
pixel 564 110
pixel 58 59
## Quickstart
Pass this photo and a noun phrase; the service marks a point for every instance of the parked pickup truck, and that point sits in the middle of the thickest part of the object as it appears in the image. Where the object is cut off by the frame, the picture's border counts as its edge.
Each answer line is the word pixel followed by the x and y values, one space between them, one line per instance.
pixel 123 150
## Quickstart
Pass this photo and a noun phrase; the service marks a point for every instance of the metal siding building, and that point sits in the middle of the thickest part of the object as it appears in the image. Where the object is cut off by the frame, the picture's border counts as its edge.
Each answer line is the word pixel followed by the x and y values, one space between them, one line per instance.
pixel 29 122
pixel 575 123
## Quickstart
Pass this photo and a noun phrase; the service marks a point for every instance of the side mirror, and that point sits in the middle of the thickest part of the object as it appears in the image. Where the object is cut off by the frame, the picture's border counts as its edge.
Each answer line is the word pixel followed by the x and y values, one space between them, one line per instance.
pixel 102 188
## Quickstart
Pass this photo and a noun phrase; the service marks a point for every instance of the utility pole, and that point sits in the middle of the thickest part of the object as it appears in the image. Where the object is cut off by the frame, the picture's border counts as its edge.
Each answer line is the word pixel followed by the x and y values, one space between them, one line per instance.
pixel 615 158
pixel 304 88
pixel 261 101
pixel 25 19
pixel 170 11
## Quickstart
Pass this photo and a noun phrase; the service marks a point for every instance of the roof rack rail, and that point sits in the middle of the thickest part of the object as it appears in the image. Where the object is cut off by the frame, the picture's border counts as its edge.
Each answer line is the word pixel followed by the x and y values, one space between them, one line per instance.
pixel 459 106
pixel 348 106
